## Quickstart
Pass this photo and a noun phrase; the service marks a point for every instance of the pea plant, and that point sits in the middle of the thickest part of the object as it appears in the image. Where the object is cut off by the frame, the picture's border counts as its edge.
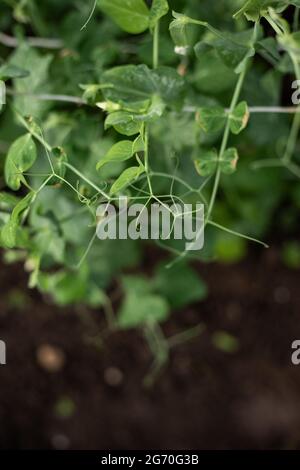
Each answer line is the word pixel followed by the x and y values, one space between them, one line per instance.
pixel 179 103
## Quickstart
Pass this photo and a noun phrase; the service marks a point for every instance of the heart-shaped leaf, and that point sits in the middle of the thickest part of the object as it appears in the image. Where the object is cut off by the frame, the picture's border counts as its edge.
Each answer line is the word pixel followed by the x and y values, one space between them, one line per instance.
pixel 229 161
pixel 9 231
pixel 239 118
pixel 21 156
pixel 211 119
pixel 141 305
pixel 208 162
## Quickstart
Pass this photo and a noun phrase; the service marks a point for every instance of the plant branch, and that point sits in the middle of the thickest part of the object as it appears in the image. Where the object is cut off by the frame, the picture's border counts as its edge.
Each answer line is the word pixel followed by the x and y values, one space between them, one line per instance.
pixel 156 46
pixel 50 97
pixel 43 43
pixel 258 109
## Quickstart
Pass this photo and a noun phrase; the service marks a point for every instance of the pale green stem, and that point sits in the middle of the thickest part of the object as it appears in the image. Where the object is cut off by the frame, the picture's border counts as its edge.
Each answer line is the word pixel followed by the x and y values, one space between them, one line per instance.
pixel 156 46
pixel 87 180
pixel 224 143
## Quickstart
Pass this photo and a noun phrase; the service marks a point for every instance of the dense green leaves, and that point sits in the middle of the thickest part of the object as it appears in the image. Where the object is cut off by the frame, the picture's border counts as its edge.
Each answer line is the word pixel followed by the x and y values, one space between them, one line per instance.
pixel 55 232
pixel 132 16
pixel 21 156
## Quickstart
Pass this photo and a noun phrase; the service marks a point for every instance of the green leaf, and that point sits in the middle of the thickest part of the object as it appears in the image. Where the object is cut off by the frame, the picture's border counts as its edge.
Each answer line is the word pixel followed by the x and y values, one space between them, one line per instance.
pixel 229 161
pixel 180 285
pixel 130 15
pixel 119 152
pixel 64 286
pixel 154 111
pixel 159 9
pixel 37 82
pixel 138 145
pixel 239 118
pixel 212 76
pixel 255 9
pixel 129 85
pixel 8 201
pixel 207 164
pixel 122 151
pixel 9 231
pixel 8 71
pixel 211 119
pixel 290 42
pixel 123 122
pixel 234 49
pixel 141 306
pixel 21 156
pixel 127 177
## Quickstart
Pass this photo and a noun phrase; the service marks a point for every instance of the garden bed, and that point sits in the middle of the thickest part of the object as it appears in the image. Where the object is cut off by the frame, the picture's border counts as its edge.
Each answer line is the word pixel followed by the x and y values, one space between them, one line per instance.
pixel 204 399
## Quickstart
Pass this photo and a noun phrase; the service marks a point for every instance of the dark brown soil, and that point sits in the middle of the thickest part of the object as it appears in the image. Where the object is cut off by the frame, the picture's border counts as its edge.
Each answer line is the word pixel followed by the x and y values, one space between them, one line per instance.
pixel 204 399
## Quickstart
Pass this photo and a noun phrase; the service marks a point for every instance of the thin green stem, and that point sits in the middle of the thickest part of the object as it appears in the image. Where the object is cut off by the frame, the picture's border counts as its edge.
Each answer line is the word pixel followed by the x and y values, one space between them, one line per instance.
pixel 156 46
pixel 224 143
pixel 146 139
pixel 237 234
pixel 87 180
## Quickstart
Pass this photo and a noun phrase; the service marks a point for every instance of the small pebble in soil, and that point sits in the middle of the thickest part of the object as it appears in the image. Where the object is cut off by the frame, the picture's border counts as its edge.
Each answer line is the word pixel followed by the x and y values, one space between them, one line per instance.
pixel 50 358
pixel 60 442
pixel 113 377
pixel 282 295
